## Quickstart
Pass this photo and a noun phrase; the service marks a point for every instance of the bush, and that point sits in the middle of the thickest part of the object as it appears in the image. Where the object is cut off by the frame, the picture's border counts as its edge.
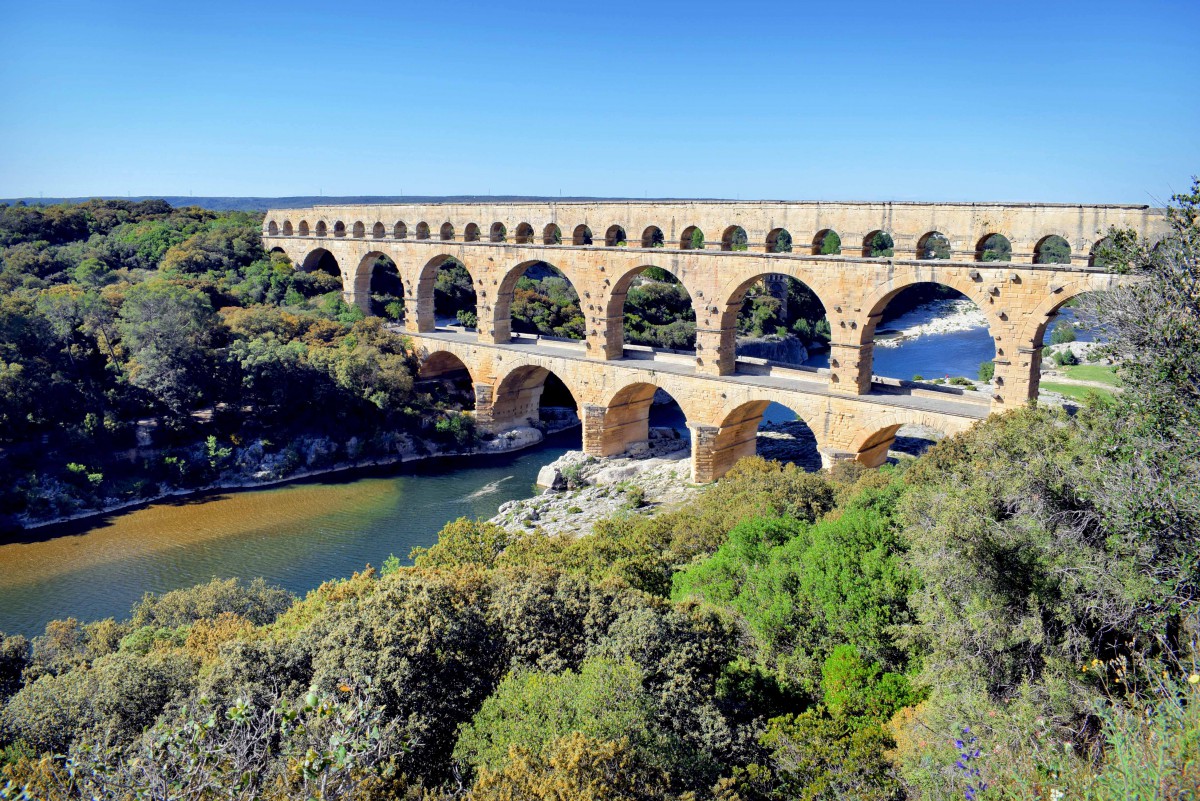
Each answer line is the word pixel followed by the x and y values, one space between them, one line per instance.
pixel 467 319
pixel 256 602
pixel 987 371
pixel 1066 358
pixel 1062 334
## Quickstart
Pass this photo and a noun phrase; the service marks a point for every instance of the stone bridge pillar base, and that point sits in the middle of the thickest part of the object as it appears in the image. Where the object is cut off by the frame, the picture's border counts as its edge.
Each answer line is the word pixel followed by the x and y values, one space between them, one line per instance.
pixel 704 446
pixel 715 352
pixel 608 341
pixel 850 367
pixel 484 400
pixel 1016 381
pixel 592 416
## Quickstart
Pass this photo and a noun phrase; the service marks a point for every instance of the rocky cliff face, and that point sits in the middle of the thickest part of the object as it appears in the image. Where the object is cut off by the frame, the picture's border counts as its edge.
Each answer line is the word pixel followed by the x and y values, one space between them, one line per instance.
pixel 788 350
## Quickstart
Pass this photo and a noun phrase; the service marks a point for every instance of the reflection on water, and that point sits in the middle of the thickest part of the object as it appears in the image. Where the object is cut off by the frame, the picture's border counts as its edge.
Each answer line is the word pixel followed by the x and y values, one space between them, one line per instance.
pixel 296 536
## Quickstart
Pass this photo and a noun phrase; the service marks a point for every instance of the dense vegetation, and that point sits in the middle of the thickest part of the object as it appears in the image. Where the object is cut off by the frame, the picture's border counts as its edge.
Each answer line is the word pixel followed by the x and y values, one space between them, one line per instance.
pixel 143 346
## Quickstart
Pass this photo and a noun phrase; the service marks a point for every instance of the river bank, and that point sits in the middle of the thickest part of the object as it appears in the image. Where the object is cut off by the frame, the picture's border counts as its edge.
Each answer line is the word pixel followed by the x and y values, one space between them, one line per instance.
pixel 409 450
pixel 936 317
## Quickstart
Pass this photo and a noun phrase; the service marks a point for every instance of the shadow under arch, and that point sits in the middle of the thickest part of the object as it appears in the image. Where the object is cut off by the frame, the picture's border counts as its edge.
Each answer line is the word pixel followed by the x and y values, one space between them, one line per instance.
pixel 663 295
pixel 532 395
pixel 457 294
pixel 445 373
pixel 630 421
pixel 378 287
pixel 320 259
pixel 560 310
pixel 742 433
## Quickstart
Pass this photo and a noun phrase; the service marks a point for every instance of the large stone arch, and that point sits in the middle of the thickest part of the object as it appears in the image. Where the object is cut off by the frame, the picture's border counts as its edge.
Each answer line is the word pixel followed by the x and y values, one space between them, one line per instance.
pixel 516 395
pixel 502 305
pixel 442 363
pixel 423 289
pixel 321 259
pixel 870 444
pixel 361 279
pixel 625 418
pixel 734 435
pixel 613 304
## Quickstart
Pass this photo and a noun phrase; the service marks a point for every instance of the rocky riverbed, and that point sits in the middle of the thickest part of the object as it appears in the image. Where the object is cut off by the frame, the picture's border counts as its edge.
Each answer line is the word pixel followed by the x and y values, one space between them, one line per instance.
pixel 937 317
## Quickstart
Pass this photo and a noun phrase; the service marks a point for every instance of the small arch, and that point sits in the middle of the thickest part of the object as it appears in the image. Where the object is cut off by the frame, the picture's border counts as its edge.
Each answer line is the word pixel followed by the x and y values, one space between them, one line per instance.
pixel 303 228
pixel 933 246
pixel 615 237
pixel 1052 249
pixel 768 429
pixel 993 247
pixel 400 230
pixel 779 240
pixel 879 245
pixel 498 233
pixel 322 229
pixel 447 232
pixel 551 235
pixel 691 239
pixel 652 237
pixel 471 233
pixel 641 414
pixel 422 230
pixel 524 234
pixel 735 238
pixel 582 235
pixel 272 228
pixel 287 227
pixel 827 243
pixel 339 228
pixel 360 230
pixel 378 231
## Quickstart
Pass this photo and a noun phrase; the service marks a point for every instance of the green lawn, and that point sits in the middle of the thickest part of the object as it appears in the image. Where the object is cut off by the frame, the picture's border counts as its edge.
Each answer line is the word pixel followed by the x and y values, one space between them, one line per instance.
pixel 1073 390
pixel 1100 373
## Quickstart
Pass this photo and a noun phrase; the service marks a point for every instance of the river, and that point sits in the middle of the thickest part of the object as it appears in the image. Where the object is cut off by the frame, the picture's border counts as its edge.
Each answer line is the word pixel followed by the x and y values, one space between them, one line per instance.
pixel 302 534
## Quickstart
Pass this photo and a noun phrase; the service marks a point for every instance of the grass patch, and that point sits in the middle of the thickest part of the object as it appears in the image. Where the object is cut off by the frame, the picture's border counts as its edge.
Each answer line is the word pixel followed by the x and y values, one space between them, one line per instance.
pixel 1073 390
pixel 1100 373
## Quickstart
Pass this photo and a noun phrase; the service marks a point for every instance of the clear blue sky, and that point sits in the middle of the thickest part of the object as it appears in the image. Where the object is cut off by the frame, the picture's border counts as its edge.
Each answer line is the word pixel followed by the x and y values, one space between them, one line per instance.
pixel 965 100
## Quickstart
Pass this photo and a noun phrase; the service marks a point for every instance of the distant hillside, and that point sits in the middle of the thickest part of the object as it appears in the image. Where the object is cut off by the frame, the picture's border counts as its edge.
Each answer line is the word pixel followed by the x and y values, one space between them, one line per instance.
pixel 264 203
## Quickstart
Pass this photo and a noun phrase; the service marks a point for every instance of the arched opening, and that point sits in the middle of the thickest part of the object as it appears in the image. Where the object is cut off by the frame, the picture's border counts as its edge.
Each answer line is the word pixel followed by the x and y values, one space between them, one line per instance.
pixel 339 228
pixel 272 228
pixel 322 229
pixel 551 235
pixel 934 245
pixel 524 235
pixel 321 260
pixel 1052 249
pixel 779 319
pixel 766 429
pixel 933 333
pixel 615 237
pixel 360 230
pixel 287 227
pixel 447 232
pixel 879 245
pixel 994 247
pixel 827 243
pixel 656 310
pixel 652 237
pixel 498 233
pixel 378 231
pixel 444 378
pixel 536 298
pixel 644 420
pixel 895 441
pixel 582 235
pixel 735 238
pixel 400 231
pixel 422 230
pixel 779 240
pixel 691 239
pixel 303 228
pixel 445 295
pixel 384 288
pixel 1069 362
pixel 1101 255
pixel 534 396
pixel 471 233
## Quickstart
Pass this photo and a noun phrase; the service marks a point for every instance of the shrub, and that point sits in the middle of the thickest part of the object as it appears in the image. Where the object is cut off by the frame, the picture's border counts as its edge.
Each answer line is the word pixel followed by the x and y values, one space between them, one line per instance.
pixel 256 601
pixel 464 542
pixel 467 319
pixel 1062 334
pixel 14 656
pixel 987 371
pixel 1066 358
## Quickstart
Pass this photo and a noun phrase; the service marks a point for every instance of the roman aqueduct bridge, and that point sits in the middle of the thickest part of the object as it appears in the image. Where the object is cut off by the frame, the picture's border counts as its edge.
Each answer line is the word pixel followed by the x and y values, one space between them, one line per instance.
pixel 718 250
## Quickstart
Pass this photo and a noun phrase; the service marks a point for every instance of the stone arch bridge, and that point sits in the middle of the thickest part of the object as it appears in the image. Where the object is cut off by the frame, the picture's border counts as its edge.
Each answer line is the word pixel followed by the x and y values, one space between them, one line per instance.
pixel 718 250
